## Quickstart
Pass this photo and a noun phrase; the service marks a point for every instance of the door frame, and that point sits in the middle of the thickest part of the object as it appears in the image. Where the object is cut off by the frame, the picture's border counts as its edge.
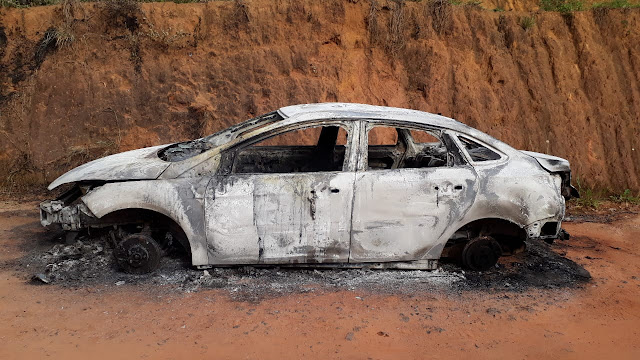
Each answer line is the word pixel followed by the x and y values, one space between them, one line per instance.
pixel 351 147
pixel 228 157
pixel 455 159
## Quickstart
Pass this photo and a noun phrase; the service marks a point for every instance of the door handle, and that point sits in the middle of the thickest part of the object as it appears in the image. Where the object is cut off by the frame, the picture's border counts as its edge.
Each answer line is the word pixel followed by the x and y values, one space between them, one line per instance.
pixel 335 190
pixel 457 187
pixel 312 204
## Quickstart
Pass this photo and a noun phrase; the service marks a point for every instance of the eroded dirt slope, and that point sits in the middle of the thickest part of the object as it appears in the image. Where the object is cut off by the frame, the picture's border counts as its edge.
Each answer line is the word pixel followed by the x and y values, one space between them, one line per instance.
pixel 133 76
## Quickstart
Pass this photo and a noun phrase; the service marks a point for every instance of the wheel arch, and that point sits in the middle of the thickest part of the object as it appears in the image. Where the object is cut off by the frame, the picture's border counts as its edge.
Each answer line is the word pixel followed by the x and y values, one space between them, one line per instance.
pixel 156 218
pixel 171 199
pixel 508 233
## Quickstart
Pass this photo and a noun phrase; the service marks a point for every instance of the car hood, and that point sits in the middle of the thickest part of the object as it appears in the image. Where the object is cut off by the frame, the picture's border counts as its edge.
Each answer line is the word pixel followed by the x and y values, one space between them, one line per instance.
pixel 549 162
pixel 141 164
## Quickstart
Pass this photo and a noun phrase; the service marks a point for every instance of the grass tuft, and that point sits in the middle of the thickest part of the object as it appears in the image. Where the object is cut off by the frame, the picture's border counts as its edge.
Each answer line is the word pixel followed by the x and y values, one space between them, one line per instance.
pixel 563 6
pixel 615 4
pixel 626 197
pixel 589 197
pixel 469 3
pixel 527 22
pixel 33 3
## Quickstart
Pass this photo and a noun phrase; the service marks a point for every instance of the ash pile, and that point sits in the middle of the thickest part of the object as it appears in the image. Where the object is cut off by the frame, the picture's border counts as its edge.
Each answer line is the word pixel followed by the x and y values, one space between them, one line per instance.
pixel 83 261
pixel 90 262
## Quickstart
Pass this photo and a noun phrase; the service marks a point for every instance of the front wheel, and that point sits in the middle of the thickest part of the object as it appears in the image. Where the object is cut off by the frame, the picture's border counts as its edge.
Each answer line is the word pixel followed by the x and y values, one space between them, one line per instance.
pixel 481 253
pixel 138 254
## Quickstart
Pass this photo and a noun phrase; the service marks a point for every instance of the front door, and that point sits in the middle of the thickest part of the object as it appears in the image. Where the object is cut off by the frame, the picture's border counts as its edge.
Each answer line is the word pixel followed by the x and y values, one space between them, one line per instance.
pixel 287 199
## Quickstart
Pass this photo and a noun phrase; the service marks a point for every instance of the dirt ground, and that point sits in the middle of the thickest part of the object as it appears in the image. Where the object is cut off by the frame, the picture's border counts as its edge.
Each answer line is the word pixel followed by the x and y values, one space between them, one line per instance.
pixel 326 314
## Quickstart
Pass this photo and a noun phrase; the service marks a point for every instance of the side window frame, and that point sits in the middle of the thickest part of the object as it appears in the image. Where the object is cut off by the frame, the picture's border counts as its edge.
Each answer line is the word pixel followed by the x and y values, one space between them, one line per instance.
pixel 228 156
pixel 502 156
pixel 443 135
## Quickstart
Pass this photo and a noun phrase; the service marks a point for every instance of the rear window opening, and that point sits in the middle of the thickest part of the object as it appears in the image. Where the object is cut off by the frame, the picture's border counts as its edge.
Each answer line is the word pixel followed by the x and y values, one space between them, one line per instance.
pixel 477 152
pixel 402 148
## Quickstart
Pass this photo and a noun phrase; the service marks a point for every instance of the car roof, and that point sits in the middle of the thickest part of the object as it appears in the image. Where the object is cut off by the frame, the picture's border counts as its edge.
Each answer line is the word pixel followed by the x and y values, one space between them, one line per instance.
pixel 352 111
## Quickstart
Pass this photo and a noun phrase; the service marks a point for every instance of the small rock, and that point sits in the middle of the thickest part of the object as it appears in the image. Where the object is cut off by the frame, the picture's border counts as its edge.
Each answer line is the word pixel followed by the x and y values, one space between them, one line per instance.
pixel 349 336
pixel 493 311
pixel 435 329
pixel 121 282
pixel 583 273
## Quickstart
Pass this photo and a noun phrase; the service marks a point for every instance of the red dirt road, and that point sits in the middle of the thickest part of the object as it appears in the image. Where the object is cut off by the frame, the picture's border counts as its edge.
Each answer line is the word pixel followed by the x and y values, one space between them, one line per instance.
pixel 600 320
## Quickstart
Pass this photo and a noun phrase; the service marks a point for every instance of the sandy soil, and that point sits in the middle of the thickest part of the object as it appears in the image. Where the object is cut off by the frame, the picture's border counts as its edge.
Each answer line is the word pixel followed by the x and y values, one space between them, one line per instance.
pixel 100 320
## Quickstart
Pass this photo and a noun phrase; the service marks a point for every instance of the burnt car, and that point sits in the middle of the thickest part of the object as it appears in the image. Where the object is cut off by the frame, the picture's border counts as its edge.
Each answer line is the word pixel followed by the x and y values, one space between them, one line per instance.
pixel 333 184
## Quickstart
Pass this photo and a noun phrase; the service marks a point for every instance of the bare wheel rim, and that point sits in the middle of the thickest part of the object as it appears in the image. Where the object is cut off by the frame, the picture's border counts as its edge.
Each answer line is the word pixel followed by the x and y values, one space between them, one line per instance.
pixel 481 253
pixel 138 254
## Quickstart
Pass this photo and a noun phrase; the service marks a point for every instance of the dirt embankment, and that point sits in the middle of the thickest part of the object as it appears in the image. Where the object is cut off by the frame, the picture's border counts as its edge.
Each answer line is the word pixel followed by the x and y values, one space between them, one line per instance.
pixel 78 82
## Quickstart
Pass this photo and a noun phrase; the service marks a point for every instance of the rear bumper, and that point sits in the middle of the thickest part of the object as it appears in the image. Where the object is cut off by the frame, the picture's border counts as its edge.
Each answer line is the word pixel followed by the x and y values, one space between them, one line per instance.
pixel 547 231
pixel 544 229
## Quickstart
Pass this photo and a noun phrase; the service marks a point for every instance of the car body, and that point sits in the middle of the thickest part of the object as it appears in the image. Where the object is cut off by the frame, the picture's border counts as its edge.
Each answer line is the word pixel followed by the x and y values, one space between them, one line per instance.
pixel 343 190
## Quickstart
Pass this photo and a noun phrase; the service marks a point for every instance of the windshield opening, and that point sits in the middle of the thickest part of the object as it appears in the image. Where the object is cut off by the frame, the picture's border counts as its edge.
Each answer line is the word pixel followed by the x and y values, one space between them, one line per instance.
pixel 187 149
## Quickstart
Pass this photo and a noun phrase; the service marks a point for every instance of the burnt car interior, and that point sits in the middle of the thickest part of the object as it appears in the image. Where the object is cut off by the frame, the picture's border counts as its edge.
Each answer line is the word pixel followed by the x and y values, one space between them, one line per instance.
pixel 314 149
pixel 400 148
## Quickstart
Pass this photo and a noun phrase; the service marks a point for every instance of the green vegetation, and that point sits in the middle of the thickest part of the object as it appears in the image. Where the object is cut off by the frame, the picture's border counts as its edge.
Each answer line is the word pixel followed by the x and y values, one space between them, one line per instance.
pixel 563 6
pixel 527 22
pixel 472 3
pixel 32 3
pixel 25 3
pixel 615 4
pixel 592 198
pixel 626 197
pixel 588 196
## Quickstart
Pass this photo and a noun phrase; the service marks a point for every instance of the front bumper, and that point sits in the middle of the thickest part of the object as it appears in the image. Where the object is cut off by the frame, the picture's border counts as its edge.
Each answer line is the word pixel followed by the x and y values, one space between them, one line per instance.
pixel 54 212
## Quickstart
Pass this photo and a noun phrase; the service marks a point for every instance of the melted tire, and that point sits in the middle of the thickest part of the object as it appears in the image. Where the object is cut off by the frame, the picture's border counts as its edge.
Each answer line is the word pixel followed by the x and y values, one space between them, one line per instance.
pixel 138 254
pixel 481 253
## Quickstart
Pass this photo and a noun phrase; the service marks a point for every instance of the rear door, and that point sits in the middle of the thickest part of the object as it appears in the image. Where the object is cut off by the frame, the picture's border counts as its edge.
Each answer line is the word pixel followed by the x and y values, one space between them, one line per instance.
pixel 410 189
pixel 288 199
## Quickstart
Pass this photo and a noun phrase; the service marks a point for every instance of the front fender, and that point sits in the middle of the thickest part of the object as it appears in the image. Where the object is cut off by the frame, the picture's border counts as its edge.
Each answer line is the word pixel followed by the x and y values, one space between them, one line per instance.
pixel 178 199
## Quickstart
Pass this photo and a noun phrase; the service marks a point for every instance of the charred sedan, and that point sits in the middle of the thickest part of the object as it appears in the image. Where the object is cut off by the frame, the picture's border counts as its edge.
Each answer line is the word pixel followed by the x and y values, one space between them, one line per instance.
pixel 335 184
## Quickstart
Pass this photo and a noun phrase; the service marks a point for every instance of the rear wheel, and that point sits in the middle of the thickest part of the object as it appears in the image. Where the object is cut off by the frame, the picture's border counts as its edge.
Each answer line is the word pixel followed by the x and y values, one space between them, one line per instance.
pixel 138 254
pixel 481 253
